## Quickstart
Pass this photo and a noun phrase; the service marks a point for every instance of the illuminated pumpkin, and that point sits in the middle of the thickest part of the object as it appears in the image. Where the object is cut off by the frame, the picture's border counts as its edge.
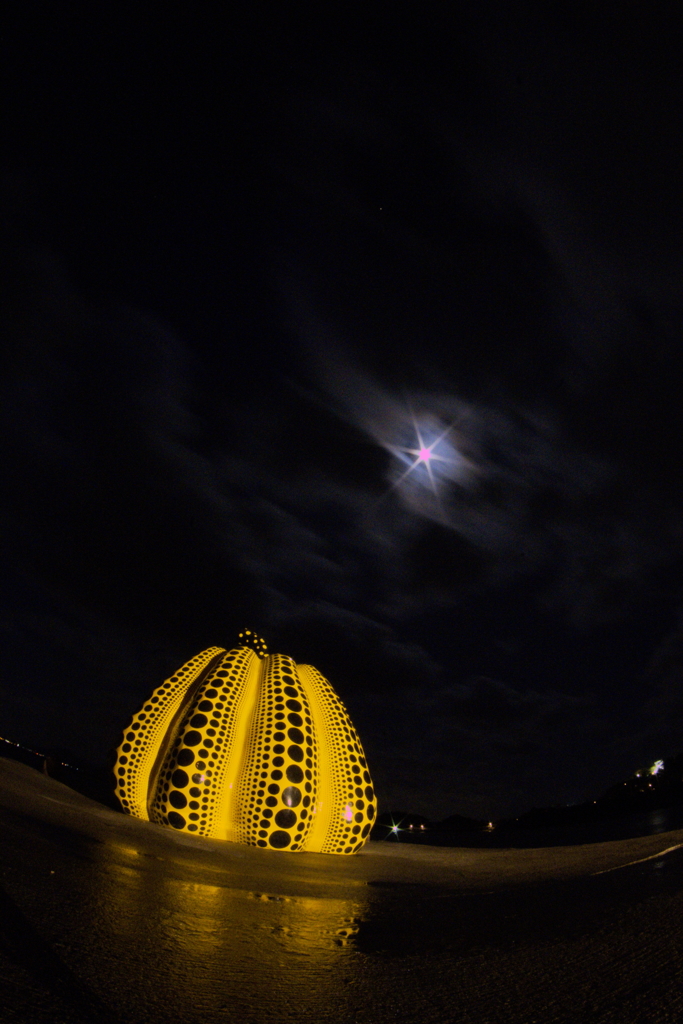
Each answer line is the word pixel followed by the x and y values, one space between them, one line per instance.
pixel 252 748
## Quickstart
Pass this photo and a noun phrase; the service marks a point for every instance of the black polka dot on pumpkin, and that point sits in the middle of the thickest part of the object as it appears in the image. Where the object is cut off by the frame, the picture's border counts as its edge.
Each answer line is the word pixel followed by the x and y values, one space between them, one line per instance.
pixel 177 799
pixel 296 736
pixel 285 818
pixel 176 820
pixel 192 739
pixel 186 757
pixel 291 796
pixel 296 753
pixel 180 778
pixel 294 773
pixel 279 840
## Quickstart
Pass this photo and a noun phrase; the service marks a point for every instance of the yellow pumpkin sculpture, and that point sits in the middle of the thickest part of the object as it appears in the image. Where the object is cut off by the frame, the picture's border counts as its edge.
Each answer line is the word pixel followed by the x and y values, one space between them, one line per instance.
pixel 252 748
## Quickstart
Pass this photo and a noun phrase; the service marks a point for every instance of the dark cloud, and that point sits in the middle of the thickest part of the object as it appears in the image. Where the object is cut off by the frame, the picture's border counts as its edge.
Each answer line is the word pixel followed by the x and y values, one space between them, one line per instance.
pixel 458 742
pixel 114 527
pixel 520 493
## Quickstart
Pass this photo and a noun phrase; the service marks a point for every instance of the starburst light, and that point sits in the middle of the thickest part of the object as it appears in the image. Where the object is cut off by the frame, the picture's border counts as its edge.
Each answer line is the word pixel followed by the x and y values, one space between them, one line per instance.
pixel 432 453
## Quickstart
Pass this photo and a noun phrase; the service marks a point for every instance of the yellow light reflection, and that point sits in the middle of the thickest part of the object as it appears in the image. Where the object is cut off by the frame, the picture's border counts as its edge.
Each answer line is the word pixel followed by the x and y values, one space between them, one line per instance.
pixel 213 946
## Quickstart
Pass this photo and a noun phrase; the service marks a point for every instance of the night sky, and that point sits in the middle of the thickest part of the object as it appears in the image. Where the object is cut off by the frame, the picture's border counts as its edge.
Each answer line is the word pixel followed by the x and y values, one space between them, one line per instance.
pixel 250 266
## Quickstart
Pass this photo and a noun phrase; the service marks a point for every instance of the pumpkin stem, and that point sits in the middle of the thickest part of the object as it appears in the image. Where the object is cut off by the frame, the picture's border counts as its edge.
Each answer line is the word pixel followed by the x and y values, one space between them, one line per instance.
pixel 247 638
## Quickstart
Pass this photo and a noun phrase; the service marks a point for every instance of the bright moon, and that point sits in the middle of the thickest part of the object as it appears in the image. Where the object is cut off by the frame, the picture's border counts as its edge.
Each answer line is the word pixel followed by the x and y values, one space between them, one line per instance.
pixel 432 455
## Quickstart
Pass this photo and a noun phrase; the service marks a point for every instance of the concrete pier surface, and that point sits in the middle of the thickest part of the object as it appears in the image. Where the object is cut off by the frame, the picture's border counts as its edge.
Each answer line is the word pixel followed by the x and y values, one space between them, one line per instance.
pixel 105 918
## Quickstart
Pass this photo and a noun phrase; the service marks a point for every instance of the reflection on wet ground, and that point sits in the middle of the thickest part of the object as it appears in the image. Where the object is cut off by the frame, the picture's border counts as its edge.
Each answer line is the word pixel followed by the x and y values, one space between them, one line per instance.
pixel 103 919
pixel 109 924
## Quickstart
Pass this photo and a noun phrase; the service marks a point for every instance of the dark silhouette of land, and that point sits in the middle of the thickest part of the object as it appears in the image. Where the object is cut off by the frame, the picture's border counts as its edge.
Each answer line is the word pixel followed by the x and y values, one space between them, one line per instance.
pixel 655 787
